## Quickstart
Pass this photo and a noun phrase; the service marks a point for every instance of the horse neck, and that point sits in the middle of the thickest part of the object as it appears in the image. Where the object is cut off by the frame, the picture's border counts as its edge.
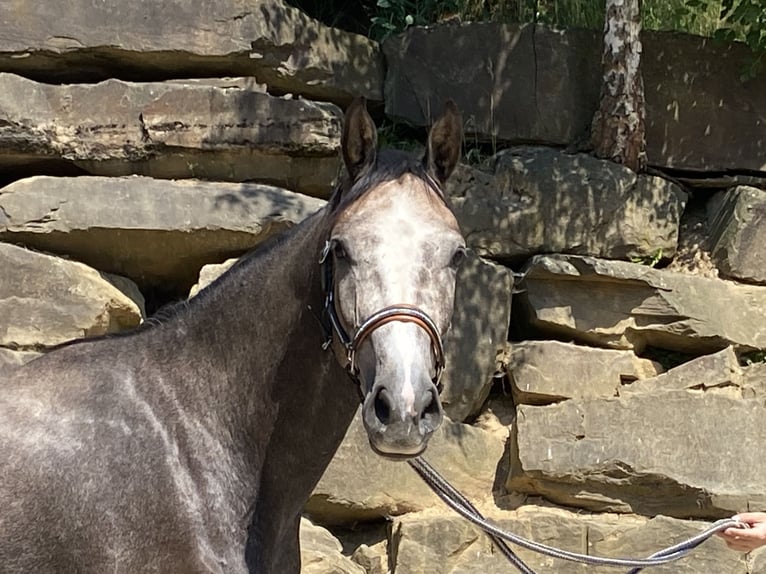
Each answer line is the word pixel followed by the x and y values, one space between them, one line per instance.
pixel 233 355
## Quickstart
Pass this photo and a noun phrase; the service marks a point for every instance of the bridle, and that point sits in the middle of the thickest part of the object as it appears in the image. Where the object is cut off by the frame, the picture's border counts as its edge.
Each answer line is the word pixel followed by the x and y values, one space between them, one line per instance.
pixel 403 313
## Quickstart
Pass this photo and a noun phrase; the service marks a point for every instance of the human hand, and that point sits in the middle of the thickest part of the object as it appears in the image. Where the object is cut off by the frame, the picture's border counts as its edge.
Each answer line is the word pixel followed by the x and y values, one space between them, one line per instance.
pixel 746 539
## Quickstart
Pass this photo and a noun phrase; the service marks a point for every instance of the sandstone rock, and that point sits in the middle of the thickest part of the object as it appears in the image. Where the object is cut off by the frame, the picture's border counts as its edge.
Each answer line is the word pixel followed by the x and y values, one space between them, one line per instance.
pixel 541 200
pixel 754 380
pixel 496 416
pixel 171 130
pixel 438 543
pixel 682 453
pixel 479 331
pixel 156 232
pixel 719 369
pixel 491 80
pixel 360 485
pixel 443 544
pixel 693 252
pixel 525 83
pixel 210 273
pixel 719 180
pixel 738 224
pixel 267 39
pixel 629 306
pixel 45 301
pixel 756 561
pixel 374 560
pixel 549 371
pixel 321 552
pixel 641 537
pixel 368 545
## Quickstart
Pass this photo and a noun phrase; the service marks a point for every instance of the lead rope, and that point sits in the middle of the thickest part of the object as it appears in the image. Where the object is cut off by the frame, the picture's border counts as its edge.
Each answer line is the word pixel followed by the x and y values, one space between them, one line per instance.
pixel 462 506
pixel 452 497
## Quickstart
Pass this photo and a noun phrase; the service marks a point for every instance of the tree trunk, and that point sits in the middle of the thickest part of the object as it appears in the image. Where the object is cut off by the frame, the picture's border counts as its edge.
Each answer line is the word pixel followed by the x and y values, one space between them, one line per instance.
pixel 618 129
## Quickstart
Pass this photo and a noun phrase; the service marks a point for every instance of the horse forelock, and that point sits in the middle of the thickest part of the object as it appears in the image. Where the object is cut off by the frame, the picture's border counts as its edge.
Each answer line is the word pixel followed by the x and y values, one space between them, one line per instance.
pixel 390 165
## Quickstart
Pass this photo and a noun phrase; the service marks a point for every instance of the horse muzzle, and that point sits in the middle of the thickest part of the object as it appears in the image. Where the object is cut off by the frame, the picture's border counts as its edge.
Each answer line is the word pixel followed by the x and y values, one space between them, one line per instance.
pixel 399 428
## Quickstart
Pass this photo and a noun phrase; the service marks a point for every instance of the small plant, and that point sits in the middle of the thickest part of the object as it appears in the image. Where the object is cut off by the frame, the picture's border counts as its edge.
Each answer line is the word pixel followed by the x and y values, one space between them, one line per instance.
pixel 649 260
pixel 394 16
pixel 476 151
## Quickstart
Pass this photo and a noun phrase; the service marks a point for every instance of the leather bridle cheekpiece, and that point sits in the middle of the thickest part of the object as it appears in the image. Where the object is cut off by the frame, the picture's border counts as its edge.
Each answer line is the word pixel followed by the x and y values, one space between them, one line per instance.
pixel 402 312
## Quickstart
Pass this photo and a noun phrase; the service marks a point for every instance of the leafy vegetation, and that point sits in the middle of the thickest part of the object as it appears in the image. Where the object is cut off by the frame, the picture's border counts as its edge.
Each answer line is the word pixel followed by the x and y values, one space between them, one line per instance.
pixel 393 16
pixel 745 20
pixel 649 260
pixel 742 20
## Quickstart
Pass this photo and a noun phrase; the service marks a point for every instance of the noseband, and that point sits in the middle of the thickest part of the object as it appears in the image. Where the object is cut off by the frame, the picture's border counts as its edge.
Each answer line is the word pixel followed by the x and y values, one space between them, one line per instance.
pixel 402 313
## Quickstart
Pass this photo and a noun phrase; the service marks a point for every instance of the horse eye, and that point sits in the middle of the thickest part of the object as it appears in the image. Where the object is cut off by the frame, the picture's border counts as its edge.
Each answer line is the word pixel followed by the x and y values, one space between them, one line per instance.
pixel 339 251
pixel 458 257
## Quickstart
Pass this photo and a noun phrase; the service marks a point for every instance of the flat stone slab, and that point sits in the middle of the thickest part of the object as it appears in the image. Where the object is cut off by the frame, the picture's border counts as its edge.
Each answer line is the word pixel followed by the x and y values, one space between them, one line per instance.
pixel 543 372
pixel 530 200
pixel 210 273
pixel 754 379
pixel 361 486
pixel 737 219
pixel 680 453
pixel 625 305
pixel 266 39
pixel 171 130
pixel 441 543
pixel 321 552
pixel 158 233
pixel 46 300
pixel 506 80
pixel 531 84
pixel 717 370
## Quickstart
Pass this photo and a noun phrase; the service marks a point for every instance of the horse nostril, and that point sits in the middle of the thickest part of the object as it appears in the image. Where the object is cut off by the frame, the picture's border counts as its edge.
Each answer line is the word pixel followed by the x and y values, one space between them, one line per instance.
pixel 430 413
pixel 382 406
pixel 431 407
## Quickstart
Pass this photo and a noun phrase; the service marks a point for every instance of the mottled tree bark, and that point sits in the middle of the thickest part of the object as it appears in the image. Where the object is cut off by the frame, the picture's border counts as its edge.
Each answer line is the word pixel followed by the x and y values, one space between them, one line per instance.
pixel 618 129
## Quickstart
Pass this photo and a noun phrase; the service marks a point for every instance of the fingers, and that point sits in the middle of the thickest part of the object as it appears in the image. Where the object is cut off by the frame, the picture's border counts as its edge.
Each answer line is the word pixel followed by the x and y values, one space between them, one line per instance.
pixel 746 539
pixel 751 517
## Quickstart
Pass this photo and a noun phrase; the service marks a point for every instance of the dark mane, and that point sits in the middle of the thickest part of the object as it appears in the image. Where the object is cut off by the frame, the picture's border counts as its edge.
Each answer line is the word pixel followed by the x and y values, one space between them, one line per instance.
pixel 389 165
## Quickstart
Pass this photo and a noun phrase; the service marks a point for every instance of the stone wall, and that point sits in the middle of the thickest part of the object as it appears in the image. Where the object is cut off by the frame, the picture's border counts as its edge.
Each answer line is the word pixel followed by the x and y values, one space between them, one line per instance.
pixel 621 408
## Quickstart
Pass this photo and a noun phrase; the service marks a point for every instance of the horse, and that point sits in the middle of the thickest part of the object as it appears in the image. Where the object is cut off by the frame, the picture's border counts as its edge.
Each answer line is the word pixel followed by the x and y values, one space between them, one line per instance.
pixel 192 443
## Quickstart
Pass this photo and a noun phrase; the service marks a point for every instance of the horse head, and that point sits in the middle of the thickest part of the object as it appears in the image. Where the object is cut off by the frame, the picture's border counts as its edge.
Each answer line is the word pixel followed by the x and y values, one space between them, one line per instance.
pixel 391 261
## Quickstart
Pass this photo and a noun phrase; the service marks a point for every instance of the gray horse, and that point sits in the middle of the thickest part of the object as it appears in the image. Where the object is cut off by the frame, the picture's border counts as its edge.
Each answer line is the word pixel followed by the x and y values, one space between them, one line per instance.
pixel 192 443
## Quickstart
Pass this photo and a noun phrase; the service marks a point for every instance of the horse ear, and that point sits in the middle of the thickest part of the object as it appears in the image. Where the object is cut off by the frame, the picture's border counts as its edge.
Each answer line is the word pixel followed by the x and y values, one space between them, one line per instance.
pixel 444 143
pixel 360 138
